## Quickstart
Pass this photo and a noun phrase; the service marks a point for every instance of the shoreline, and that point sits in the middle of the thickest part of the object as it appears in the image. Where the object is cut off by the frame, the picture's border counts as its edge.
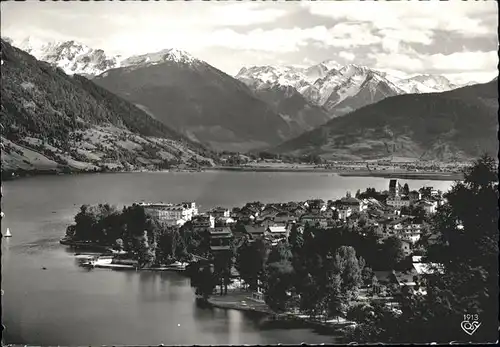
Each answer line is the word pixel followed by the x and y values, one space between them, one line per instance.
pixel 344 172
pixel 229 302
pixel 439 176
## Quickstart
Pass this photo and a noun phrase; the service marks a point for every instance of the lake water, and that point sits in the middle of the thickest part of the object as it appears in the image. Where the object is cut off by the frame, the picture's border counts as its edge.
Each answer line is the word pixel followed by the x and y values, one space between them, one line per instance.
pixel 69 305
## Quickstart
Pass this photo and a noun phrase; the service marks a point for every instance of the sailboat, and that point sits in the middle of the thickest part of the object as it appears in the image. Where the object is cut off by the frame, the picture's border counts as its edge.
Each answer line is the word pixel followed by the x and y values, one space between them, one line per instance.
pixel 7 233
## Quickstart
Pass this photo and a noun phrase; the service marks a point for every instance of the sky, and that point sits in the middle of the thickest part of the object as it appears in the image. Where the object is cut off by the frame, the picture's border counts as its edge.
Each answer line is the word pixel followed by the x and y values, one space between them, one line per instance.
pixel 455 38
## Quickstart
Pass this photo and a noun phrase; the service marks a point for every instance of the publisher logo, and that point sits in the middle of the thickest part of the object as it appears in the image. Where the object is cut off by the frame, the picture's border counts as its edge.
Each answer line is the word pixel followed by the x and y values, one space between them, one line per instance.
pixel 470 323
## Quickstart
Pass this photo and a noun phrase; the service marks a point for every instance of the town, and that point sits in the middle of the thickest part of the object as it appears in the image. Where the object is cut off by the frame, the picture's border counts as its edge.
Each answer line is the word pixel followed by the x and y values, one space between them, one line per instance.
pixel 227 251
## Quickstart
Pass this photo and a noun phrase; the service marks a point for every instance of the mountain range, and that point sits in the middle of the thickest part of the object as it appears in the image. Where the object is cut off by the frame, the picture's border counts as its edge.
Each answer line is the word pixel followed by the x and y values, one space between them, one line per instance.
pixel 453 125
pixel 55 122
pixel 261 107
pixel 341 89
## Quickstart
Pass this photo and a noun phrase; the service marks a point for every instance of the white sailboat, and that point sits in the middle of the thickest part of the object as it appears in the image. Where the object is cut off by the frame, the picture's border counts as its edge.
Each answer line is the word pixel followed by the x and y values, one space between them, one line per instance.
pixel 7 233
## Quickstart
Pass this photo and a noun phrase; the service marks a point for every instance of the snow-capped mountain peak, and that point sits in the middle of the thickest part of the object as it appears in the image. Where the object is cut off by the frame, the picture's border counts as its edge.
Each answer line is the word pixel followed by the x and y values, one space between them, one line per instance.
pixel 77 58
pixel 331 64
pixel 71 56
pixel 170 54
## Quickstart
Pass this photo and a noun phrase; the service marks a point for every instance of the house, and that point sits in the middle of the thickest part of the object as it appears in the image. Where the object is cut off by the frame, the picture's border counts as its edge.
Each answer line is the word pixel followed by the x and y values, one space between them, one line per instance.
pixel 255 231
pixel 203 222
pixel 354 204
pixel 398 201
pixel 406 278
pixel 269 212
pixel 245 213
pixel 313 219
pixel 428 206
pixel 285 217
pixel 299 211
pixel 290 206
pixel 222 221
pixel 344 213
pixel 411 232
pixel 427 268
pixel 171 214
pixel 220 239
pixel 276 232
pixel 328 213
pixel 266 222
pixel 220 212
pixel 316 206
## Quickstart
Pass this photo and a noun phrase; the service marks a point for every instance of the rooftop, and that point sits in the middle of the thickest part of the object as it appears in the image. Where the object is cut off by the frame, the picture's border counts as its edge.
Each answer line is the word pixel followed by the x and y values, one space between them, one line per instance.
pixel 277 229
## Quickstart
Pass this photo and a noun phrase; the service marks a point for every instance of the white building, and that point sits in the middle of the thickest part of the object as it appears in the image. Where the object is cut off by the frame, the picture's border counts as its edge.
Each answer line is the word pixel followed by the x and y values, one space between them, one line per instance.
pixel 428 206
pixel 175 214
pixel 344 213
pixel 397 201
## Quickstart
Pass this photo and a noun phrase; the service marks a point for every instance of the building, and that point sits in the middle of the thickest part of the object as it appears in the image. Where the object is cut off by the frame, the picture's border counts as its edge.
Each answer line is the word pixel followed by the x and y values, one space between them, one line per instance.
pixel 220 212
pixel 398 201
pixel 285 217
pixel 255 231
pixel 428 206
pixel 313 219
pixel 394 188
pixel 266 222
pixel 354 204
pixel 203 222
pixel 290 206
pixel 174 214
pixel 269 212
pixel 329 213
pixel 344 213
pixel 276 233
pixel 222 221
pixel 220 239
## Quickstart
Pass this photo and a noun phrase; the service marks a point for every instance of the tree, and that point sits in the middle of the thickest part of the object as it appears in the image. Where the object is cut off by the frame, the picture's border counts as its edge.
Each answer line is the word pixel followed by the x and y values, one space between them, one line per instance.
pixel 296 240
pixel 348 267
pixel 406 189
pixel 468 280
pixel 145 254
pixel 250 261
pixel 202 278
pixel 279 278
pixel 393 251
pixel 367 275
pixel 278 283
pixel 119 244
pixel 223 263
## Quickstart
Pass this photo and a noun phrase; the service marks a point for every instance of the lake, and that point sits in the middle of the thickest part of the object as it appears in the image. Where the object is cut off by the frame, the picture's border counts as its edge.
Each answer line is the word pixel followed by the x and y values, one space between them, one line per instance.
pixel 69 305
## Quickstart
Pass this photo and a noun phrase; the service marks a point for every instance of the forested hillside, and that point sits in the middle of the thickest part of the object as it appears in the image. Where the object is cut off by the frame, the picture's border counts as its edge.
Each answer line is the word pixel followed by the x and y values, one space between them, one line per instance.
pixel 70 123
pixel 458 124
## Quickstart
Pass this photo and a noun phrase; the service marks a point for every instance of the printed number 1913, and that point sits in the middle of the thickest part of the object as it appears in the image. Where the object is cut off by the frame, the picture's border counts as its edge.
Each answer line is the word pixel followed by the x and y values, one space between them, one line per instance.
pixel 471 317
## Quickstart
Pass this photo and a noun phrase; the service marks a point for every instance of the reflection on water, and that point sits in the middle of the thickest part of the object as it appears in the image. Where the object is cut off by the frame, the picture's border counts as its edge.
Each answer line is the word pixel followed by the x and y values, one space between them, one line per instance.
pixel 67 304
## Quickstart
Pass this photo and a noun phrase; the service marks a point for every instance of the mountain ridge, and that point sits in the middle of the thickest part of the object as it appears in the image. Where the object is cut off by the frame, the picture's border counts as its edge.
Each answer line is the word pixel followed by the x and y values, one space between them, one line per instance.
pixel 69 123
pixel 427 126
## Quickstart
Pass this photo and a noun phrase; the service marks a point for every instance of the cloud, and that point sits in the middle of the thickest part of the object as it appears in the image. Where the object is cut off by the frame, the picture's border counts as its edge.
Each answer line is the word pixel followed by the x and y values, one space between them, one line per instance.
pixel 468 77
pixel 347 56
pixel 245 13
pixel 463 63
pixel 398 61
pixel 466 18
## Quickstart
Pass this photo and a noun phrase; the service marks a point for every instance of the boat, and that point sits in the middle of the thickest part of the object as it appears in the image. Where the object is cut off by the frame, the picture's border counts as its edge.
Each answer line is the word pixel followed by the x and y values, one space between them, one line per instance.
pixel 7 233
